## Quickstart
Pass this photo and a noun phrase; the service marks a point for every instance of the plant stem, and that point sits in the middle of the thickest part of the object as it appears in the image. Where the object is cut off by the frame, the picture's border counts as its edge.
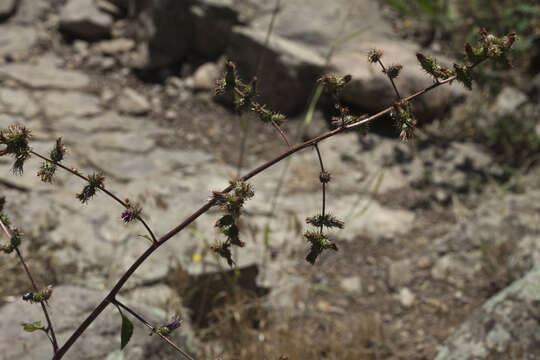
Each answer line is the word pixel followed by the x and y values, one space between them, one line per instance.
pixel 141 319
pixel 114 197
pixel 34 286
pixel 210 203
pixel 323 187
pixel 391 80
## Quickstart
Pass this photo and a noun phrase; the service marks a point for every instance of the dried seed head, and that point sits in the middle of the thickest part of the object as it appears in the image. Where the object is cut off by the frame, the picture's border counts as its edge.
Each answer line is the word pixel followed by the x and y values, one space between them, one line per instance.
pixel 393 71
pixel 374 55
pixel 325 177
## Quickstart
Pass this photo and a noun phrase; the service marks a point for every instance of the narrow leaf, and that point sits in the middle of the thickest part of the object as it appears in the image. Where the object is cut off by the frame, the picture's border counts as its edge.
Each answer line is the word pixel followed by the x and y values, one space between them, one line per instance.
pixel 127 331
pixel 31 327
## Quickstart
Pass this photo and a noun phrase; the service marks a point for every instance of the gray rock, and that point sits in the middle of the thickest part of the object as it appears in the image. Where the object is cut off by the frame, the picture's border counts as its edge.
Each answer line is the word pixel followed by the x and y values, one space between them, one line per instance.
pixel 400 273
pixel 45 75
pixel 69 305
pixel 115 46
pixel 504 327
pixel 16 40
pixel 170 30
pixel 509 100
pixel 58 104
pixel 131 102
pixel 7 8
pixel 83 19
pixel 352 284
pixel 204 78
pixel 406 297
pixel 17 101
pixel 289 69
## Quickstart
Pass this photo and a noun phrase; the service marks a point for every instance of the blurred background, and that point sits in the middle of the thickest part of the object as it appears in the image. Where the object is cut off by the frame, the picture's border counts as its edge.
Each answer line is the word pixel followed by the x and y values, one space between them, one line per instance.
pixel 440 254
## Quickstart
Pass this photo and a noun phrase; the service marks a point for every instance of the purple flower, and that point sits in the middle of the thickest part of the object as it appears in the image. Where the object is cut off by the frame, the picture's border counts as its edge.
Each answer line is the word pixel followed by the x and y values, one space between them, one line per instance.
pixel 174 323
pixel 127 216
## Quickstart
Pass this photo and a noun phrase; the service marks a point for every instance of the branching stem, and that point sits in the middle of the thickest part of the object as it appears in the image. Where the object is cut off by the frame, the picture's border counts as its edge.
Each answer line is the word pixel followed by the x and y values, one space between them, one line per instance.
pixel 114 197
pixel 390 78
pixel 210 203
pixel 323 186
pixel 148 325
pixel 50 328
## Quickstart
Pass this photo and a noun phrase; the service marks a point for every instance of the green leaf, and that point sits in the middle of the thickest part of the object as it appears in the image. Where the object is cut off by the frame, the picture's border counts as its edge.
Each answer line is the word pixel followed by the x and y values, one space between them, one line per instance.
pixel 147 237
pixel 266 235
pixel 31 327
pixel 127 331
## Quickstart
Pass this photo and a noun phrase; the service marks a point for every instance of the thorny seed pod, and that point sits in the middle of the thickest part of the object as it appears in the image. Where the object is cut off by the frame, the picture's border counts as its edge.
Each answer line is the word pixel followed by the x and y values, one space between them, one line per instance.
pixel 433 68
pixel 319 243
pixel 229 80
pixel 95 181
pixel 328 220
pixel 393 71
pixel 404 120
pixel 267 116
pixel 57 154
pixel 46 172
pixel 333 84
pixel 42 295
pixel 325 177
pixel 16 139
pixel 463 75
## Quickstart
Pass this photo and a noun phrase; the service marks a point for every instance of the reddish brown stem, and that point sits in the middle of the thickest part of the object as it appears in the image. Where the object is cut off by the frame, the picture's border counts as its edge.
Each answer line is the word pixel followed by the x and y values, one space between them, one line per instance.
pixel 34 286
pixel 110 194
pixel 323 186
pixel 147 324
pixel 79 331
pixel 391 80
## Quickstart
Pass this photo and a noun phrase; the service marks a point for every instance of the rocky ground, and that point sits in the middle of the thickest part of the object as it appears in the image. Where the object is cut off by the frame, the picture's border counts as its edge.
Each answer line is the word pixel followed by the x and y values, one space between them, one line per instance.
pixel 439 257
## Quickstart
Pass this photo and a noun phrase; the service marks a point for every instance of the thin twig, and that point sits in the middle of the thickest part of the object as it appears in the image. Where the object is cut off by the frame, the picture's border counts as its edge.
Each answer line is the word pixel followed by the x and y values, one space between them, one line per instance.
pixel 147 324
pixel 391 80
pixel 102 188
pixel 282 133
pixel 36 289
pixel 323 186
pixel 210 203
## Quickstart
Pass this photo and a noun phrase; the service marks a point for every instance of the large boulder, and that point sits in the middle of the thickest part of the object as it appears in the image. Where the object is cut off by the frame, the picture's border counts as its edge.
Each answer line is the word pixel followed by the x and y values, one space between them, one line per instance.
pixel 288 69
pixel 505 327
pixel 371 90
pixel 173 30
pixel 83 19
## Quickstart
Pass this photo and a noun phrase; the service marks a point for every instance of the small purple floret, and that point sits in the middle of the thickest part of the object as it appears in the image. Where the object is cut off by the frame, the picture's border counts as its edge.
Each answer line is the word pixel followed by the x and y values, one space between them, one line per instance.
pixel 128 215
pixel 174 323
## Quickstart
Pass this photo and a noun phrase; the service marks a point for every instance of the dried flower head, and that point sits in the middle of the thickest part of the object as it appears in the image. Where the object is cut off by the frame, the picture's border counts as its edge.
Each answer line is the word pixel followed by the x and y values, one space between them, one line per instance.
pixel 16 139
pixel 433 68
pixel 327 220
pixel 319 243
pixel 229 80
pixel 393 71
pixel 334 84
pixel 46 171
pixel 325 177
pixel 267 116
pixel 57 154
pixel 374 55
pixel 95 181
